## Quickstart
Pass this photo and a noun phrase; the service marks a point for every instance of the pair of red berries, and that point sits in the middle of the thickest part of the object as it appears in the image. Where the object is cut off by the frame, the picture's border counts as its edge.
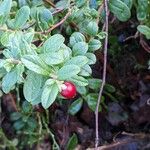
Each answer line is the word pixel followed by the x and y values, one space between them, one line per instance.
pixel 68 90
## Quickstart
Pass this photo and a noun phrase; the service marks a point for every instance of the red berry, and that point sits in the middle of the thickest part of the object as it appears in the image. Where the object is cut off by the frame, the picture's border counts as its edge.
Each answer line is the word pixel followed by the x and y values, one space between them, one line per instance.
pixel 68 90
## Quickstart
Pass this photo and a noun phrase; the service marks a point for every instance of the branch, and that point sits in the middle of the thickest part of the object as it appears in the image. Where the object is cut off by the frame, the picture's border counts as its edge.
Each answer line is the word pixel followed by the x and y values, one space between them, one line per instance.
pixel 49 2
pixel 104 74
pixel 132 37
pixel 100 9
pixel 144 44
pixel 56 25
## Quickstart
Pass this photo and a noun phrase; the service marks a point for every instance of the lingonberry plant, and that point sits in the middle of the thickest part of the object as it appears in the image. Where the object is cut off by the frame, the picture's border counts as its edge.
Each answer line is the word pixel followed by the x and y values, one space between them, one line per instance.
pixel 47 49
pixel 47 64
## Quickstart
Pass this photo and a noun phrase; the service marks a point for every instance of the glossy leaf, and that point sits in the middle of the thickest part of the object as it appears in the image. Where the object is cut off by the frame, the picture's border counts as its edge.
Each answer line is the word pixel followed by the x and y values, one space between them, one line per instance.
pixel 91 100
pixel 94 83
pixel 75 106
pixel 72 143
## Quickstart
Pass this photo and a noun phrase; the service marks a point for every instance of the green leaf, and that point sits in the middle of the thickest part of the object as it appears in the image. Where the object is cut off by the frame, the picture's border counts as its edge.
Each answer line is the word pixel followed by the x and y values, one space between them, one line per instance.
pixel 36 64
pixel 120 9
pixel 72 143
pixel 53 58
pixel 76 37
pixel 11 78
pixel 75 106
pixel 32 123
pixel 91 100
pixel 29 36
pixel 91 57
pixel 2 72
pixel 94 45
pixel 144 30
pixel 66 51
pixel 80 48
pixel 46 16
pixel 26 107
pixel 63 4
pixel 33 85
pixel 5 7
pixel 78 60
pixel 82 90
pixel 49 93
pixel 128 3
pixel 54 43
pixel 43 16
pixel 15 116
pixel 22 3
pixel 86 71
pixel 142 9
pixel 18 125
pixel 109 88
pixel 2 63
pixel 5 38
pixel 94 83
pixel 79 81
pixel 92 28
pixel 68 71
pixel 21 17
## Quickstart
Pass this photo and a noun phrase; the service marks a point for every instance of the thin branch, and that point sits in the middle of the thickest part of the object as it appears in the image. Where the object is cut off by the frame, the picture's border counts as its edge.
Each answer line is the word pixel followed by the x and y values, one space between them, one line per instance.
pixel 104 74
pixel 57 11
pixel 55 145
pixel 144 44
pixel 132 37
pixel 100 9
pixel 51 3
pixel 56 25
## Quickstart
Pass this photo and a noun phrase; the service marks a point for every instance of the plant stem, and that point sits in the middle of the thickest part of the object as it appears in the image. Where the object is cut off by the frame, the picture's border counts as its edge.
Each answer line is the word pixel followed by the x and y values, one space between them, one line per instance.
pixel 7 143
pixel 104 74
pixel 57 24
pixel 55 145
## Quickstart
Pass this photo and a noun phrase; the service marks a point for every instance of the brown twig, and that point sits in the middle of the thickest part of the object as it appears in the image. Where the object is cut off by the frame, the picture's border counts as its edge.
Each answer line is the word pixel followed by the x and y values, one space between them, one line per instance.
pixel 49 2
pixel 104 74
pixel 132 37
pixel 100 9
pixel 144 44
pixel 57 11
pixel 57 24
